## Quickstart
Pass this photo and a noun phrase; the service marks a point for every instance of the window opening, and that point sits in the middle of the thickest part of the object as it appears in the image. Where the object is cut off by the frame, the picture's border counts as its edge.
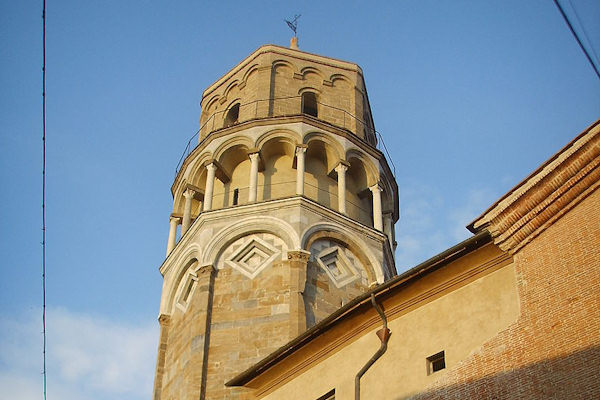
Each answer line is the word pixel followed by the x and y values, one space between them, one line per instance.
pixel 309 104
pixel 188 290
pixel 232 115
pixel 236 194
pixel 436 362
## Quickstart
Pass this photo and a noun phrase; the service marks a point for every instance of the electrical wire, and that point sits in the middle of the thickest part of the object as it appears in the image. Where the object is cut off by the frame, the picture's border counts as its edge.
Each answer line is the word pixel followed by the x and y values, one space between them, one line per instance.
pixel 44 191
pixel 596 58
pixel 576 37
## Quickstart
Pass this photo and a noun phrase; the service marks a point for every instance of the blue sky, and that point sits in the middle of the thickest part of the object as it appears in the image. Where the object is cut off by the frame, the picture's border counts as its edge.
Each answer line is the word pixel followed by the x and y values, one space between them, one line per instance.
pixel 470 97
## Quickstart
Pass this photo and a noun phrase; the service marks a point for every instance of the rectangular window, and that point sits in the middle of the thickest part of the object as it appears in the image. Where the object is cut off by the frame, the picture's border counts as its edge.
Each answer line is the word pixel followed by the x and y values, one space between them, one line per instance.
pixel 328 396
pixel 436 362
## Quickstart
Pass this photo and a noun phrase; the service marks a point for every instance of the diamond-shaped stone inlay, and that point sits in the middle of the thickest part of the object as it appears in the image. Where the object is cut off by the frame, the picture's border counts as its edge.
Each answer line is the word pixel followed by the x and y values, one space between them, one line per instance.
pixel 337 266
pixel 252 257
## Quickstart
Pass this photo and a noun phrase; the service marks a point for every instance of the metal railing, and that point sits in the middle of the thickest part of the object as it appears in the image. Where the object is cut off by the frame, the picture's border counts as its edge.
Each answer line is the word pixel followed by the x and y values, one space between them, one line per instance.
pixel 281 107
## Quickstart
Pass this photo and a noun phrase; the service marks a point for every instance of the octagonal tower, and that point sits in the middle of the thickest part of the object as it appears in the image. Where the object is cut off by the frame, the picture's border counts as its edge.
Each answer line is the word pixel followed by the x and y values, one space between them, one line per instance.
pixel 283 212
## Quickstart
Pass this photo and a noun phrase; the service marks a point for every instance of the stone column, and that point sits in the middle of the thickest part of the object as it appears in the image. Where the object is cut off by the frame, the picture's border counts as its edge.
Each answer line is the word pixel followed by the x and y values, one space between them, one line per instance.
pixel 163 320
pixel 377 216
pixel 300 152
pixel 187 211
pixel 253 176
pixel 341 178
pixel 298 260
pixel 174 221
pixel 210 184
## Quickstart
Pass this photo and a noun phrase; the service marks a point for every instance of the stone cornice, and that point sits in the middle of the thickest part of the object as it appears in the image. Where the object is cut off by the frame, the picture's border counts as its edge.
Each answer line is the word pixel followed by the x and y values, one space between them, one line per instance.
pixel 262 208
pixel 547 194
pixel 274 49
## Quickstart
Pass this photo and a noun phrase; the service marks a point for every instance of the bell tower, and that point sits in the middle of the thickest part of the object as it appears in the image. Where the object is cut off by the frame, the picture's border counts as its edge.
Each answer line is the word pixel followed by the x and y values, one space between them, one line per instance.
pixel 282 213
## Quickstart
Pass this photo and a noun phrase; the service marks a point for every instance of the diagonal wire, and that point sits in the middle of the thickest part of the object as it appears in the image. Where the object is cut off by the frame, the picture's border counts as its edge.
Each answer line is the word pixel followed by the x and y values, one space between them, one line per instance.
pixel 597 59
pixel 576 37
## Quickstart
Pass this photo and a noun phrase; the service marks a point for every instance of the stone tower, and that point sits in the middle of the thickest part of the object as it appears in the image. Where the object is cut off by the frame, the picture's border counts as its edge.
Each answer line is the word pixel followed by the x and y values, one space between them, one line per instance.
pixel 283 212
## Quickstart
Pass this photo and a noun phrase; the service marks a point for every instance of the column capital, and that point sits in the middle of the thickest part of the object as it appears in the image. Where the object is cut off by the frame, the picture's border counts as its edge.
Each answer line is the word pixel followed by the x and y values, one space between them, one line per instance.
pixel 254 156
pixel 376 188
pixel 301 148
pixel 211 166
pixel 298 255
pixel 174 218
pixel 164 319
pixel 189 193
pixel 205 270
pixel 342 166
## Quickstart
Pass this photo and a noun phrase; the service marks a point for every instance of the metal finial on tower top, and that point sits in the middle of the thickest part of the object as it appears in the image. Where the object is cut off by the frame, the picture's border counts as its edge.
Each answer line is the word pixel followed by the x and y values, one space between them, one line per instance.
pixel 293 24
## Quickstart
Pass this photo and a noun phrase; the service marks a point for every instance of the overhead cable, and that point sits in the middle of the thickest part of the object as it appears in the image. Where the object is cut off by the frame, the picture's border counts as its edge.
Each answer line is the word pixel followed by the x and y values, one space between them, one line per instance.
pixel 577 37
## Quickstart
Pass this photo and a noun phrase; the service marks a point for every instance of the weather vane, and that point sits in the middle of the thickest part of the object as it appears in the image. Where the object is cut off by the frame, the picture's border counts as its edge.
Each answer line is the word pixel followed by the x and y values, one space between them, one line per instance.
pixel 293 24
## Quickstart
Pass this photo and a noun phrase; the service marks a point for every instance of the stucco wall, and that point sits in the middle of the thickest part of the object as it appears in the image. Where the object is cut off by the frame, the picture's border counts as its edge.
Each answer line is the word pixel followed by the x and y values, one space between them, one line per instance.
pixel 458 323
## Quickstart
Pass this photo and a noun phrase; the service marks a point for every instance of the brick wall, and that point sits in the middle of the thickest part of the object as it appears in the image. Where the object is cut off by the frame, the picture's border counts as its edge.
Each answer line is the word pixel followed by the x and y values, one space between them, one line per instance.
pixel 553 350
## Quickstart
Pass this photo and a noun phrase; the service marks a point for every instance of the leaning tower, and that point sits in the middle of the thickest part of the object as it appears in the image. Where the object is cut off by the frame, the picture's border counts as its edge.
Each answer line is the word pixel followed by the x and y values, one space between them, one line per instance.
pixel 282 213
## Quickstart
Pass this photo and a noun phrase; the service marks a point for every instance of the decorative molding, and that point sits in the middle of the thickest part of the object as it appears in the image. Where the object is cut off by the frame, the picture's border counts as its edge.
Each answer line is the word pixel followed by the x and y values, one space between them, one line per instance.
pixel 164 319
pixel 337 266
pixel 547 194
pixel 298 255
pixel 251 254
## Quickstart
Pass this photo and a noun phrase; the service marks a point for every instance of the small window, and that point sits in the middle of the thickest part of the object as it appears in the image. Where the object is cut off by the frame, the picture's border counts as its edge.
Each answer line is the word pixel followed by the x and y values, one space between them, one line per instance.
pixel 236 195
pixel 232 115
pixel 188 290
pixel 328 396
pixel 435 363
pixel 309 104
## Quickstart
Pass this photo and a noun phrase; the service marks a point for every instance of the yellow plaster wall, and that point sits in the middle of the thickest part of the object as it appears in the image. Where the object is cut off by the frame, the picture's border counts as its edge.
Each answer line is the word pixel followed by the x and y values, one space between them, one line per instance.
pixel 458 323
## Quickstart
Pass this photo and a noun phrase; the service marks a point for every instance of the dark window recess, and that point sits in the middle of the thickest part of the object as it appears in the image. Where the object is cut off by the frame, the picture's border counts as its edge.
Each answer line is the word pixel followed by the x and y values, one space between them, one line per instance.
pixel 436 362
pixel 309 104
pixel 328 396
pixel 236 195
pixel 232 115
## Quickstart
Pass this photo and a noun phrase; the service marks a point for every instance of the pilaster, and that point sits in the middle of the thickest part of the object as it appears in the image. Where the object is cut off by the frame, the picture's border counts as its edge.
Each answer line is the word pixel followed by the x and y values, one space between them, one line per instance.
pixel 298 260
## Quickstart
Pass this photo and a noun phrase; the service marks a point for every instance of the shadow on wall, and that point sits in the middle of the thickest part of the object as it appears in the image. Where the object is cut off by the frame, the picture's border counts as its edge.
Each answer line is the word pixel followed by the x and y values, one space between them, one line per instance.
pixel 575 376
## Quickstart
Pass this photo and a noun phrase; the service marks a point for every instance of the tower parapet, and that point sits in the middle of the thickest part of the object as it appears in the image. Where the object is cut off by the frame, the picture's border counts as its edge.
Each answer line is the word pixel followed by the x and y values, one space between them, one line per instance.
pixel 282 213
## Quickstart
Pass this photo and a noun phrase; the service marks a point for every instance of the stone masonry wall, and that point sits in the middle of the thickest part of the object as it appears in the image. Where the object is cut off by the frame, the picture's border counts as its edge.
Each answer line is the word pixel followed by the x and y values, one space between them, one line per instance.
pixel 553 350
pixel 271 85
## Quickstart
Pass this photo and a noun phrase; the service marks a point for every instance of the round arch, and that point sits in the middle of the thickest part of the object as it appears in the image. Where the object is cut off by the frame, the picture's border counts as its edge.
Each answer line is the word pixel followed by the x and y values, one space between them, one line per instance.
pixel 253 68
pixel 371 170
pixel 174 276
pixel 283 63
pixel 287 136
pixel 336 148
pixel 312 70
pixel 336 232
pixel 238 140
pixel 244 227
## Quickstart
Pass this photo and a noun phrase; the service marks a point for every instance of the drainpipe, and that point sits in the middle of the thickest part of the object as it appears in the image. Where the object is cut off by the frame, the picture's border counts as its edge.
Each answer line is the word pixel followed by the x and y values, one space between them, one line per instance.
pixel 384 335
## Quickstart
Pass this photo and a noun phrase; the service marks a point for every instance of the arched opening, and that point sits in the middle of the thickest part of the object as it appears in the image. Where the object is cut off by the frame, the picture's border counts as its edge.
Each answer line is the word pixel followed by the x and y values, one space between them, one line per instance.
pixel 232 116
pixel 309 104
pixel 278 179
pixel 358 196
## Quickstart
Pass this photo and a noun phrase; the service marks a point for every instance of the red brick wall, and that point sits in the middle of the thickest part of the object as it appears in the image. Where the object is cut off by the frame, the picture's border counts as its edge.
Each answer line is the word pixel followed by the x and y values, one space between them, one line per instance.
pixel 553 350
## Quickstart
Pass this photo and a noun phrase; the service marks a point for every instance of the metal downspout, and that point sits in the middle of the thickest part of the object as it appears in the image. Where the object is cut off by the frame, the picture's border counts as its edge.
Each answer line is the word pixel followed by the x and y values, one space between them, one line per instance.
pixel 383 334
